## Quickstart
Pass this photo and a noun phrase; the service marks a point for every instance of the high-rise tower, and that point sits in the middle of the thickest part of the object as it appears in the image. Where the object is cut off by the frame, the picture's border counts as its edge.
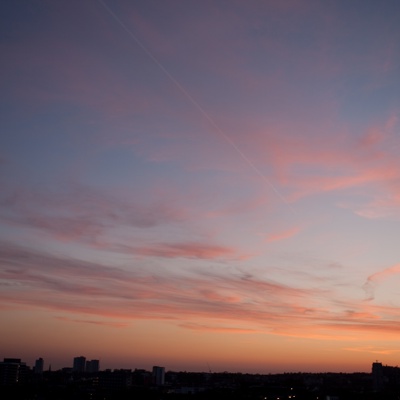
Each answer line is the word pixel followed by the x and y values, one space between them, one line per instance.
pixel 39 364
pixel 158 376
pixel 79 364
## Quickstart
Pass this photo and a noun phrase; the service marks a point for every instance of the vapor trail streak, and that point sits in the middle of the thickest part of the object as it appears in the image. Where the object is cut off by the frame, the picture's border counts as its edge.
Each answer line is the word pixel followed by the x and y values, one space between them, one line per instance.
pixel 197 105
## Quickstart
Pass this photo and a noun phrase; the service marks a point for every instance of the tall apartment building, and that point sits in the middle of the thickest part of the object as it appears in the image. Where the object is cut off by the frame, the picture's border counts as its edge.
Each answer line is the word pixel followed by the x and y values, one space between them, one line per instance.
pixel 158 375
pixel 39 364
pixel 13 371
pixel 92 366
pixel 377 376
pixel 79 364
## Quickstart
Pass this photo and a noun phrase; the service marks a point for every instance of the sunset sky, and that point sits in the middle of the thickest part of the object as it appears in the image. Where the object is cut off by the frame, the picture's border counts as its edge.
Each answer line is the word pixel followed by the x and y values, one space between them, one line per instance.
pixel 200 184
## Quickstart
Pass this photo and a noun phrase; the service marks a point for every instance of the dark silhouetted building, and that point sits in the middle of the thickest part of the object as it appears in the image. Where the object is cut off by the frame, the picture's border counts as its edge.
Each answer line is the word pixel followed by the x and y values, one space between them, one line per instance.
pixel 377 376
pixel 39 364
pixel 158 376
pixel 92 366
pixel 118 379
pixel 79 364
pixel 13 371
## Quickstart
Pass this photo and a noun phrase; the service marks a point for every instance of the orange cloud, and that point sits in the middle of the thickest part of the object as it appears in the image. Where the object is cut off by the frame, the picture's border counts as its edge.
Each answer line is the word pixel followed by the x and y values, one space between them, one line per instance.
pixel 372 350
pixel 219 329
pixel 112 324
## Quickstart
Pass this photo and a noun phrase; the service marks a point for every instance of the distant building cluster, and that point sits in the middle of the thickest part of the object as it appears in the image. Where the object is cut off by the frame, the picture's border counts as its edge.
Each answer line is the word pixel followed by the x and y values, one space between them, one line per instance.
pixel 81 365
pixel 13 371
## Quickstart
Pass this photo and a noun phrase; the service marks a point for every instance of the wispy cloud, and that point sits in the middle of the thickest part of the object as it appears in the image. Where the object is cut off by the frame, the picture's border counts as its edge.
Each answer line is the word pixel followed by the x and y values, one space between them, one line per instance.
pixel 83 215
pixel 219 329
pixel 374 279
pixel 186 250
pixel 112 324
pixel 233 299
pixel 283 234
pixel 81 212
pixel 372 350
pixel 311 165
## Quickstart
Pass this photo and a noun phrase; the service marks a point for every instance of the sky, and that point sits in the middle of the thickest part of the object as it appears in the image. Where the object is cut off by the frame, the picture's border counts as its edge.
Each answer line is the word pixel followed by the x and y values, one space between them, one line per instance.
pixel 204 185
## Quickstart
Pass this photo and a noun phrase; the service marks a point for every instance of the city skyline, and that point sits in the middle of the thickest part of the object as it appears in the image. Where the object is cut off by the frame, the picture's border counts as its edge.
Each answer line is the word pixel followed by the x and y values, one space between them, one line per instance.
pixel 19 380
pixel 201 183
pixel 81 364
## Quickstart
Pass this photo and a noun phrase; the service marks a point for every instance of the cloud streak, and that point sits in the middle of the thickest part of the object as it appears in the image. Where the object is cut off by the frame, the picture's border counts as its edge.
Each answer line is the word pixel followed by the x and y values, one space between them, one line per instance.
pixel 283 234
pixel 241 303
pixel 373 280
pixel 185 250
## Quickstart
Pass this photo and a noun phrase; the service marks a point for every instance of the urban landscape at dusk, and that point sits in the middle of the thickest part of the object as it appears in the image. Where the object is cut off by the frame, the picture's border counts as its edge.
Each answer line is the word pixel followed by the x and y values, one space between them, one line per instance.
pixel 84 380
pixel 208 186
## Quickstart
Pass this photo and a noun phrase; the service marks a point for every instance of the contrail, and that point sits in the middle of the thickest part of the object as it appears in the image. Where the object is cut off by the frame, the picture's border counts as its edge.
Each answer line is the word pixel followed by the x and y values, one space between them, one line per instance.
pixel 197 105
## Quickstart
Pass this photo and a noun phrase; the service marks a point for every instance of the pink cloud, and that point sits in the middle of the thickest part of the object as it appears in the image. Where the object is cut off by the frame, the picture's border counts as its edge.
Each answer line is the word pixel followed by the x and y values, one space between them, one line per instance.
pixel 186 250
pixel 91 217
pixel 306 165
pixel 87 289
pixel 374 279
pixel 219 329
pixel 283 234
pixel 379 208
pixel 136 294
pixel 111 324
pixel 220 297
pixel 82 213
